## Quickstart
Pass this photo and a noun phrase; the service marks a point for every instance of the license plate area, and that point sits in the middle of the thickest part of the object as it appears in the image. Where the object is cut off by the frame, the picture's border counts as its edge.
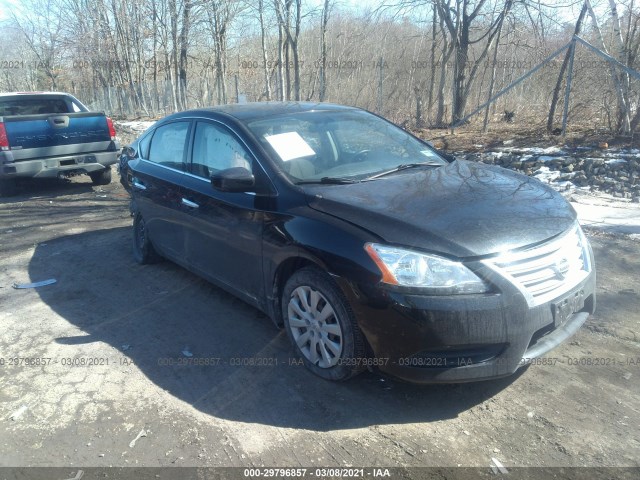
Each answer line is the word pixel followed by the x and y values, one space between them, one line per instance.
pixel 566 307
pixel 77 160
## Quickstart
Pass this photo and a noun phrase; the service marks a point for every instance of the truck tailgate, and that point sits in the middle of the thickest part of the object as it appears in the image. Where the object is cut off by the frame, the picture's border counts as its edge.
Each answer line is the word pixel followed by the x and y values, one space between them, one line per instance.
pixel 48 135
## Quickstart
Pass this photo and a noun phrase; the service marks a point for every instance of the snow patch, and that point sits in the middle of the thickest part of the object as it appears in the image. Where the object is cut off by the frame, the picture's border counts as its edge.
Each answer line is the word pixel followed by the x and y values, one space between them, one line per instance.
pixel 546 175
pixel 609 215
pixel 615 161
pixel 137 126
pixel 540 151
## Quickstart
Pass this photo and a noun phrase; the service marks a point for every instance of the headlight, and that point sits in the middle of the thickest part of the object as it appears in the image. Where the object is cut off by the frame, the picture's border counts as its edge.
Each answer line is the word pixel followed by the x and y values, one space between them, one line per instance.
pixel 437 275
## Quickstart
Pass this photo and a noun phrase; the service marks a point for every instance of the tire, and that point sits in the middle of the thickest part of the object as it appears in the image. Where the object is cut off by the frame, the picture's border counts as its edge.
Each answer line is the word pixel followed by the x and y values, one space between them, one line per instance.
pixel 143 251
pixel 102 177
pixel 321 325
pixel 8 187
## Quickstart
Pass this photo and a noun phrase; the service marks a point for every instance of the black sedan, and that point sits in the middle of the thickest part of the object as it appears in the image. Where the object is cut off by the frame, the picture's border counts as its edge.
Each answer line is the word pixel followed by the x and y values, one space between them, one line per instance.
pixel 367 245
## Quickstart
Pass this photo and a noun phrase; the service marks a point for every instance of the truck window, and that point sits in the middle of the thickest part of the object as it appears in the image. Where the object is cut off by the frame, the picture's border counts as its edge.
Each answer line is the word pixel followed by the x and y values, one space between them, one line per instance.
pixel 32 106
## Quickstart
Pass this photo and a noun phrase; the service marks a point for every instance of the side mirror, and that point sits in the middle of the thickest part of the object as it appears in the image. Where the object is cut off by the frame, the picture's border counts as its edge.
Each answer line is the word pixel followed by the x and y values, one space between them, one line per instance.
pixel 130 152
pixel 236 179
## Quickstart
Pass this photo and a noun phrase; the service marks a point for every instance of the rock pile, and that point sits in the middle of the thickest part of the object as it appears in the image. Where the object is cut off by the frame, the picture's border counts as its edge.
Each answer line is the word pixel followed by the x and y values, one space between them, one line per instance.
pixel 616 172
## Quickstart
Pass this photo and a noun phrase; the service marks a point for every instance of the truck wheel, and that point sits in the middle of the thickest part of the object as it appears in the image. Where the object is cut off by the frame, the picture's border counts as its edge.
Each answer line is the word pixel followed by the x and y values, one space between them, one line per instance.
pixel 321 325
pixel 143 251
pixel 7 187
pixel 103 177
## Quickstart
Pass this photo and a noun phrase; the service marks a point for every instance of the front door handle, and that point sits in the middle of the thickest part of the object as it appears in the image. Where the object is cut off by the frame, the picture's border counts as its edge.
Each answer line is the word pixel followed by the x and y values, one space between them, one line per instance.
pixel 139 185
pixel 189 203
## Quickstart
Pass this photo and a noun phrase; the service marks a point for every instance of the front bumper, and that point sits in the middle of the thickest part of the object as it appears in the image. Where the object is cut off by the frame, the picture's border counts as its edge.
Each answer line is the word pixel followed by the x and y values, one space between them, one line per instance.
pixel 56 166
pixel 463 338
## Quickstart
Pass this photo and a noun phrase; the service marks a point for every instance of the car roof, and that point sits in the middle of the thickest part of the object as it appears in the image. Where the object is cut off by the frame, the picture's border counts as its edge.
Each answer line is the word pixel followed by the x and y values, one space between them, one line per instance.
pixel 256 110
pixel 15 94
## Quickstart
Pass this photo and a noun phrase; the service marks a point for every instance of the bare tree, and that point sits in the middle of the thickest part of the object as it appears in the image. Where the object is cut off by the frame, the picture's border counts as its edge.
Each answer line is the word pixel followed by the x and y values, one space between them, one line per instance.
pixel 462 20
pixel 623 110
pixel 492 81
pixel 323 50
pixel 263 45
pixel 184 45
pixel 41 23
pixel 219 15
pixel 290 26
pixel 563 69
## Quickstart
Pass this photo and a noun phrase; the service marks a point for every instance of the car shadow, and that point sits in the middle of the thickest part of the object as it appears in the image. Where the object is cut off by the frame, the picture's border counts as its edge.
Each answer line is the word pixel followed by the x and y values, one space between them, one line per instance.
pixel 29 188
pixel 241 366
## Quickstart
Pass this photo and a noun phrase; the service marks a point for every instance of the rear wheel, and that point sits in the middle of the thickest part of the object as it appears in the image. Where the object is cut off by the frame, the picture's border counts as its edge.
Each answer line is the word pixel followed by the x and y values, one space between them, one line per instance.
pixel 143 251
pixel 321 325
pixel 102 177
pixel 7 187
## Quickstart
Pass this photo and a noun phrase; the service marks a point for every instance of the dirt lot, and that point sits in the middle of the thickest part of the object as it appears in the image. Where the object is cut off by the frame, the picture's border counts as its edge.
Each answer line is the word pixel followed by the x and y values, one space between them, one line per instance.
pixel 109 329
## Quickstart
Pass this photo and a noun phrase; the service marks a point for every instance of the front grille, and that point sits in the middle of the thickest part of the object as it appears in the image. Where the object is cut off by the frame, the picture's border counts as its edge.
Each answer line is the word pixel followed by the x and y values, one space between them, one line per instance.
pixel 547 271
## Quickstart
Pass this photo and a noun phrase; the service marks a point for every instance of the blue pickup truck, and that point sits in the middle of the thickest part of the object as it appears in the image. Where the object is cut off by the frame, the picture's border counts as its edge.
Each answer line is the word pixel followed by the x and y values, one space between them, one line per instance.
pixel 48 134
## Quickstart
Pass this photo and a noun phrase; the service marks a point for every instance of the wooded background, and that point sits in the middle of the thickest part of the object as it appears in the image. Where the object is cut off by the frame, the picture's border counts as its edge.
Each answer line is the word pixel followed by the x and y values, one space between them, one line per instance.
pixel 421 63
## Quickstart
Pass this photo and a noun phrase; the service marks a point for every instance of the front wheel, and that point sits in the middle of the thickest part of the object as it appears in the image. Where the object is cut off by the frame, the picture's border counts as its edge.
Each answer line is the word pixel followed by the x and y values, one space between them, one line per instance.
pixel 102 177
pixel 321 325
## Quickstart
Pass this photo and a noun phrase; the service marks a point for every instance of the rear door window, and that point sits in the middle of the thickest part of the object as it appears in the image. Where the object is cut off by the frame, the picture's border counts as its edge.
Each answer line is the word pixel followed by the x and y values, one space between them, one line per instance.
pixel 169 144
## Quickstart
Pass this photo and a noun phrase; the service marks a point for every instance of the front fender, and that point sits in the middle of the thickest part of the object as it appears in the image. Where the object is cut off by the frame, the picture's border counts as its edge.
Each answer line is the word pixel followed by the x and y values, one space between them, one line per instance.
pixel 294 242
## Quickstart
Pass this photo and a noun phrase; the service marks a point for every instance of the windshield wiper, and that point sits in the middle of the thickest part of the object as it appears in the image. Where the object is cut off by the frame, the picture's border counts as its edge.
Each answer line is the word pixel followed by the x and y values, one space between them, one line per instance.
pixel 404 166
pixel 328 180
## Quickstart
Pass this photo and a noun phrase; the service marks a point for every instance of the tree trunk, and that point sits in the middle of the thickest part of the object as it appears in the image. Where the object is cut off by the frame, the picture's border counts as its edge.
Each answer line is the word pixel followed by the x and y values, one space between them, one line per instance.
pixel 281 46
pixel 492 81
pixel 296 52
pixel 323 50
pixel 621 57
pixel 156 94
pixel 556 91
pixel 447 51
pixel 459 22
pixel 623 111
pixel 432 79
pixel 419 119
pixel 184 44
pixel 263 44
pixel 173 13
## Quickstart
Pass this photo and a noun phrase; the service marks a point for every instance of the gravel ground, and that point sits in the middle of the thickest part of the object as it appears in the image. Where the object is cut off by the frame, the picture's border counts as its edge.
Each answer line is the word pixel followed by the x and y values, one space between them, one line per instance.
pixel 112 386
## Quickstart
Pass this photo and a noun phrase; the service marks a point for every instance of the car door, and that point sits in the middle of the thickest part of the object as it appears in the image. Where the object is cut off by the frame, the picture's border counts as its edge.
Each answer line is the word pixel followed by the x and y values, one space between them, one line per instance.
pixel 157 180
pixel 224 232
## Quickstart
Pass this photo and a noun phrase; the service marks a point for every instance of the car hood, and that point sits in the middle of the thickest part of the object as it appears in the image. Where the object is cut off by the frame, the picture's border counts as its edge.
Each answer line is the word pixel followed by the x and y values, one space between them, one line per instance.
pixel 463 209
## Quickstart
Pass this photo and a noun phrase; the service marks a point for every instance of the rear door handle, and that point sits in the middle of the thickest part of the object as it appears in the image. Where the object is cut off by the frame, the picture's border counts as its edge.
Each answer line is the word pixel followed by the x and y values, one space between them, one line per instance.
pixel 139 185
pixel 189 203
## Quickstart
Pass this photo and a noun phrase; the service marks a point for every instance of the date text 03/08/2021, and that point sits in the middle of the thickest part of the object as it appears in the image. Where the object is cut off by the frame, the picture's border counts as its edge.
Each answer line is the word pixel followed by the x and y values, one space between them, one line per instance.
pixel 318 472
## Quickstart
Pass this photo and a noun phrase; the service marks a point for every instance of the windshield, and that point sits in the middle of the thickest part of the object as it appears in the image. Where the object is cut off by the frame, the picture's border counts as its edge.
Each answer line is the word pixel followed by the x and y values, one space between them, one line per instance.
pixel 351 145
